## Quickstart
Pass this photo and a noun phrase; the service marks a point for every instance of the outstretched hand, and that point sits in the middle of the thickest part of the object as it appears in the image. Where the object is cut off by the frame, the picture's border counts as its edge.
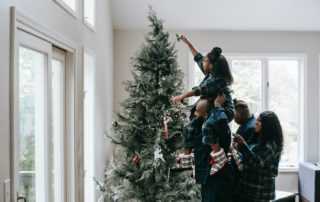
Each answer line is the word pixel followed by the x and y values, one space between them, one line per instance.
pixel 183 38
pixel 177 99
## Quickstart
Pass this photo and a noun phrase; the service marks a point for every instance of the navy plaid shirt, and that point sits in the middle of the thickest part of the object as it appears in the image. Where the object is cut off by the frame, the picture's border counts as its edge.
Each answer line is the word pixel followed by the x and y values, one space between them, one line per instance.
pixel 257 180
pixel 211 85
pixel 215 128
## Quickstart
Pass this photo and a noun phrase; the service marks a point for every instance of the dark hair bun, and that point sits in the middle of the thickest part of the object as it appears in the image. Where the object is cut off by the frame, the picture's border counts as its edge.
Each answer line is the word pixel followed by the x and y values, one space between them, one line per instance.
pixel 216 51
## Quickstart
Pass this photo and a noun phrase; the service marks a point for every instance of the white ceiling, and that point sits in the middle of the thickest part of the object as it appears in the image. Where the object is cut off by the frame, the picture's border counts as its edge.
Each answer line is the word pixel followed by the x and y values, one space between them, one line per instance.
pixel 282 15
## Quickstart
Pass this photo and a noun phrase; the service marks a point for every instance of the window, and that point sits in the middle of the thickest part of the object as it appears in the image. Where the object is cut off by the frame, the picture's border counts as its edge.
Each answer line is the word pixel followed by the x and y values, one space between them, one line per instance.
pixel 271 83
pixel 89 12
pixel 31 124
pixel 71 6
pixel 89 78
pixel 41 103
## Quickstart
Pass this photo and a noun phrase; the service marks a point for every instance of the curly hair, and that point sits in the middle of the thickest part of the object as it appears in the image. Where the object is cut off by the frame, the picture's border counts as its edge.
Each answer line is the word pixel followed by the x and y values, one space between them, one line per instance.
pixel 220 63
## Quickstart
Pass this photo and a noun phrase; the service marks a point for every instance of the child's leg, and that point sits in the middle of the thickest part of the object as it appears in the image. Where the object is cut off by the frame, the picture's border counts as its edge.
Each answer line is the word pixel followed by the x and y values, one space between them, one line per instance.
pixel 185 160
pixel 218 159
pixel 190 133
pixel 215 147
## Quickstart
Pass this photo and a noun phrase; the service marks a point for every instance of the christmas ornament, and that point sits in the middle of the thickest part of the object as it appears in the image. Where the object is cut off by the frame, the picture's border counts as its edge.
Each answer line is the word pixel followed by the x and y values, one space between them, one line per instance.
pixel 158 155
pixel 178 36
pixel 115 124
pixel 136 159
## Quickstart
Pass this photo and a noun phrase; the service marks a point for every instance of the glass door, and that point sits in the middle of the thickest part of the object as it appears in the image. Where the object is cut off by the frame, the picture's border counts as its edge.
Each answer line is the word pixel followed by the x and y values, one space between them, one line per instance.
pixel 40 151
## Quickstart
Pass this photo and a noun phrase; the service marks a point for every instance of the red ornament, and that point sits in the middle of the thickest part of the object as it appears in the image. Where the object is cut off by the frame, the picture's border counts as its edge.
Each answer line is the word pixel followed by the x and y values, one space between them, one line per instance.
pixel 136 159
pixel 212 161
pixel 178 161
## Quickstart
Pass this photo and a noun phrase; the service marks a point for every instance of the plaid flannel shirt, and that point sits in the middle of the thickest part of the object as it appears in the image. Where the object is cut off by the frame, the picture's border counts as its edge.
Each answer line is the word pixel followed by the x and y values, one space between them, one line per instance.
pixel 257 180
pixel 211 85
pixel 216 128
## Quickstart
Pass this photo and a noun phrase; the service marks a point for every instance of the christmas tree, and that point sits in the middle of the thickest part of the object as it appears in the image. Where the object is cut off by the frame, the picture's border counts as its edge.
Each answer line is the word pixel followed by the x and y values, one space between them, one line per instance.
pixel 145 146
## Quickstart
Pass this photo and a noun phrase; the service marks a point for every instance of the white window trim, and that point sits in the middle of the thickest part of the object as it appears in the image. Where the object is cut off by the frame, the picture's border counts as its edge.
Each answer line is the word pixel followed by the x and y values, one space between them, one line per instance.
pixel 66 7
pixel 61 56
pixel 85 21
pixel 302 57
pixel 73 171
pixel 87 51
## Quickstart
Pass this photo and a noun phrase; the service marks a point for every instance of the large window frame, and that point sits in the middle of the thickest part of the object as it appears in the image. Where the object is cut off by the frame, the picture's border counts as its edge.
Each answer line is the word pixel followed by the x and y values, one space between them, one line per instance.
pixel 73 93
pixel 302 58
pixel 73 12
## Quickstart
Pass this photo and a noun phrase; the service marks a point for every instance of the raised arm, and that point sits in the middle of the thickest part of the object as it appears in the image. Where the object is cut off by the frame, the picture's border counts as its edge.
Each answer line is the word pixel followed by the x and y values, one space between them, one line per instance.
pixel 179 98
pixel 198 57
pixel 194 52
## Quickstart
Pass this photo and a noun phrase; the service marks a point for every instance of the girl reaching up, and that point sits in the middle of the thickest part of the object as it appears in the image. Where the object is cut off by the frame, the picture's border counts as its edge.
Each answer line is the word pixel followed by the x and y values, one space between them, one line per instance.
pixel 215 83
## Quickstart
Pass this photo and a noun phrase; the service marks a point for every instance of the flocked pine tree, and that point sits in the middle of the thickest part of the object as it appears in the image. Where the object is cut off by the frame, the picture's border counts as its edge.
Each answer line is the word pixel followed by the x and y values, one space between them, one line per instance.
pixel 144 154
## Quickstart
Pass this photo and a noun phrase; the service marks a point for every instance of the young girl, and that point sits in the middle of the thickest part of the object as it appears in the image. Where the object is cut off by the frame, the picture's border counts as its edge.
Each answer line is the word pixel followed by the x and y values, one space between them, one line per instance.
pixel 260 160
pixel 217 78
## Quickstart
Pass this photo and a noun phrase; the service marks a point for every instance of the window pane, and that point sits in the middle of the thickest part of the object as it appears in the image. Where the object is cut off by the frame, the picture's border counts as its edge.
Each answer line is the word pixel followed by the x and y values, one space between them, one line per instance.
pixel 71 4
pixel 284 101
pixel 247 84
pixel 89 11
pixel 57 130
pixel 31 124
pixel 89 186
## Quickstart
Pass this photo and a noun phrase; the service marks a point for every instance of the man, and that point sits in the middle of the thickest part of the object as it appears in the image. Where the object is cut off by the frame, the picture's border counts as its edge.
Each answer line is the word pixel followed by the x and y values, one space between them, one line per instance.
pixel 245 119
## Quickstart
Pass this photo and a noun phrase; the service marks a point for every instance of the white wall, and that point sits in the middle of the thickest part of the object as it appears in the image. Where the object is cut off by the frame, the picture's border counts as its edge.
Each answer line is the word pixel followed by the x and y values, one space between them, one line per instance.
pixel 127 42
pixel 51 15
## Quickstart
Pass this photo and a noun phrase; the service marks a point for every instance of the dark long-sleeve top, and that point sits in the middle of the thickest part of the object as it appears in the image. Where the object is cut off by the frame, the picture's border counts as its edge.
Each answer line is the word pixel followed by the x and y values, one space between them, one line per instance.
pixel 210 87
pixel 257 180
pixel 247 129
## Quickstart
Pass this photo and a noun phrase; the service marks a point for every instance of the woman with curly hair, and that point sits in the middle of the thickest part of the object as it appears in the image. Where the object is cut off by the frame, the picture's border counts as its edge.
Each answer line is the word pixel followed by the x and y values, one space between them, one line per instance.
pixel 260 160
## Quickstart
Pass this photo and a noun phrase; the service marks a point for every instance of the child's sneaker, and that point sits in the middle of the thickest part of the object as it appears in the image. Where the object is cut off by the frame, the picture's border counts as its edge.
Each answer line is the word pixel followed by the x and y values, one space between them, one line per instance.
pixel 186 160
pixel 236 158
pixel 218 160
pixel 183 162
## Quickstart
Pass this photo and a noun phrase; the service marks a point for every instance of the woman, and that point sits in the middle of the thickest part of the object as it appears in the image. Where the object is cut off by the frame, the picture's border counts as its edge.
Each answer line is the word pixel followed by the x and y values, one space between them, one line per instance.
pixel 260 160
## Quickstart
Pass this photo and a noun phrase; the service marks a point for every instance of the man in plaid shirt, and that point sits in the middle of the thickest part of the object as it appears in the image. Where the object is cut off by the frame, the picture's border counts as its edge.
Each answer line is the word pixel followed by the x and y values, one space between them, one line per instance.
pixel 200 133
